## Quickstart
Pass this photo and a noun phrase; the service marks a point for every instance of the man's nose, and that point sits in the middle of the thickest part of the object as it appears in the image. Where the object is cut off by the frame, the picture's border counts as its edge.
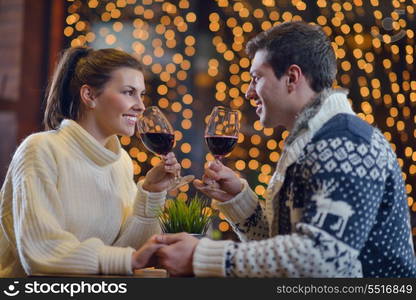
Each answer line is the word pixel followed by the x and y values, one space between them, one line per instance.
pixel 250 93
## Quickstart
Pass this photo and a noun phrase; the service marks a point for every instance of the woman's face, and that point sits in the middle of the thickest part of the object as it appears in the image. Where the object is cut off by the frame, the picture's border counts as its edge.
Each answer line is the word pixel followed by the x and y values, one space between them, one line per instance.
pixel 119 103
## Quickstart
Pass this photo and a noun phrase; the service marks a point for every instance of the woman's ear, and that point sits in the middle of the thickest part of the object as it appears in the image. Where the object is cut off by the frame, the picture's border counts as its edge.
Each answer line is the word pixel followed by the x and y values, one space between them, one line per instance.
pixel 87 96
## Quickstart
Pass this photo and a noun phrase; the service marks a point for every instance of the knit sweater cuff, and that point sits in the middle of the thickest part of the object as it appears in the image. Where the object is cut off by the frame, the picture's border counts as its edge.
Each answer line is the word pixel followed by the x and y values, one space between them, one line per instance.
pixel 115 260
pixel 241 206
pixel 147 204
pixel 209 258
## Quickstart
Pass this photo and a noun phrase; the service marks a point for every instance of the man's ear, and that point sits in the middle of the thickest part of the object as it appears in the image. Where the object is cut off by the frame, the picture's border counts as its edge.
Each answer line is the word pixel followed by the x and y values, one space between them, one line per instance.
pixel 87 96
pixel 294 73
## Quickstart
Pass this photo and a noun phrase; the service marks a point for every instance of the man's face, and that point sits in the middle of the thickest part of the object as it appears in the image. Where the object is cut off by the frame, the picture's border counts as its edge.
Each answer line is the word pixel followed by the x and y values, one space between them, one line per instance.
pixel 269 92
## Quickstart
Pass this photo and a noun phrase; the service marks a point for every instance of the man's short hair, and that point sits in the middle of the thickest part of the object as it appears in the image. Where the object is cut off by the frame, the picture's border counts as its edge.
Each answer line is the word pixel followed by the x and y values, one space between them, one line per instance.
pixel 298 43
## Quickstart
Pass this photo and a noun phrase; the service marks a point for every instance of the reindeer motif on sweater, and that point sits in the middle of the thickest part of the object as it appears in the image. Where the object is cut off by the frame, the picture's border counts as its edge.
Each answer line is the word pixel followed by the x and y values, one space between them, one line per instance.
pixel 325 205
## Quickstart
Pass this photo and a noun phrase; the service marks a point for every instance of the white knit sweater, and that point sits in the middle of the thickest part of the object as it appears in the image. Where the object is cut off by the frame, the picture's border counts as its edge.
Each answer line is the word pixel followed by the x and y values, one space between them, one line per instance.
pixel 70 205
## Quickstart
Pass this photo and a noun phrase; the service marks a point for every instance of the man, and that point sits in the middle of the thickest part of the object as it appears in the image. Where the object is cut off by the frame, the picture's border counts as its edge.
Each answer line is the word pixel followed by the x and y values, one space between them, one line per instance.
pixel 336 204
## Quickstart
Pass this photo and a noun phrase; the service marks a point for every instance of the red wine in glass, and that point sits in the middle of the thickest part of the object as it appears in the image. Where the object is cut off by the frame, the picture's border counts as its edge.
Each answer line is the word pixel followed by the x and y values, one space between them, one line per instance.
pixel 220 145
pixel 160 143
pixel 157 135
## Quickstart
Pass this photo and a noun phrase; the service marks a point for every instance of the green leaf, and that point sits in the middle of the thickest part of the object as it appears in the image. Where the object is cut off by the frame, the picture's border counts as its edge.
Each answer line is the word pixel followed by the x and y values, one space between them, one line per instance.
pixel 181 216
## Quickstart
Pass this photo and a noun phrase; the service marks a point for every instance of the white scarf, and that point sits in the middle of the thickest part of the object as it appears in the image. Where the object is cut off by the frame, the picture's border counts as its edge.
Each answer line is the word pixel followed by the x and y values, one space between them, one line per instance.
pixel 327 104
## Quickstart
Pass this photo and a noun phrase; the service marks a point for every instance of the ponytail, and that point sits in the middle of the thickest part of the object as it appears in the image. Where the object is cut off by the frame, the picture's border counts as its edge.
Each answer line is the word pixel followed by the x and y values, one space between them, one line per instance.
pixel 61 102
pixel 79 66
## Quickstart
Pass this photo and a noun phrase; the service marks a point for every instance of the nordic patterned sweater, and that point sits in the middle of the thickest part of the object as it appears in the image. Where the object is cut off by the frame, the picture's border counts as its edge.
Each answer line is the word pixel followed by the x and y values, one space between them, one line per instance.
pixel 335 206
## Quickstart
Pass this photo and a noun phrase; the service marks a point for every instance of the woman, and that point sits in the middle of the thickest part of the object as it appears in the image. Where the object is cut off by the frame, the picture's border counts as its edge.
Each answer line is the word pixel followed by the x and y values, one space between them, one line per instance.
pixel 69 203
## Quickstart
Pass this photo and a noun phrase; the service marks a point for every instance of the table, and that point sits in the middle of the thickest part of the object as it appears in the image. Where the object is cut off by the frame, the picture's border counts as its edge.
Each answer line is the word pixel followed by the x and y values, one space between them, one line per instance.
pixel 138 273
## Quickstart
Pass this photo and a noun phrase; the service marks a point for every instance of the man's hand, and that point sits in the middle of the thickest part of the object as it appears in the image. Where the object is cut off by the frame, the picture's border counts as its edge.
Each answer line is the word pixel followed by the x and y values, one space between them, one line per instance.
pixel 224 180
pixel 145 256
pixel 161 176
pixel 177 256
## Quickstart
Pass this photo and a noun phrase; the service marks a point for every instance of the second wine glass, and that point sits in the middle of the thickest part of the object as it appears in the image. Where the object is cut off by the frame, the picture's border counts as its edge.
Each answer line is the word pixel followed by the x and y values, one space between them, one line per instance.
pixel 221 133
pixel 158 136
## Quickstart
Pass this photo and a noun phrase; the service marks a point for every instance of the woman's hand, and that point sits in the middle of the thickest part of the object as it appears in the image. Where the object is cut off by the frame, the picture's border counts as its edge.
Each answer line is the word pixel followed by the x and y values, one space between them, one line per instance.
pixel 161 176
pixel 145 256
pixel 224 180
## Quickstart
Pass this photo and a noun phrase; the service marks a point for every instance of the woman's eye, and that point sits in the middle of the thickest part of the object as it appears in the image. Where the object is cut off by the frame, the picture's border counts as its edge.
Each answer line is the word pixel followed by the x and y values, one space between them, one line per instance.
pixel 130 93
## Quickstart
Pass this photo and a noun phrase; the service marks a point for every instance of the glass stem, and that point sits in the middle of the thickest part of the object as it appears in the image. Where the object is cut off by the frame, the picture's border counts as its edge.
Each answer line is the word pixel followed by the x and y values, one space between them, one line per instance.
pixel 178 176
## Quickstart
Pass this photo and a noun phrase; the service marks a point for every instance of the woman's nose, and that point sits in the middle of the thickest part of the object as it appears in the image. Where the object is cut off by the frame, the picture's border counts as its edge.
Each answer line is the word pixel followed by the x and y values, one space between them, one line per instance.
pixel 139 107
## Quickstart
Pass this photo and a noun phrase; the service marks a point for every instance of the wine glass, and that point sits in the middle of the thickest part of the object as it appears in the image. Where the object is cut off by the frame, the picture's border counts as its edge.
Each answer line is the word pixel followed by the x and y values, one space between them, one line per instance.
pixel 221 133
pixel 158 136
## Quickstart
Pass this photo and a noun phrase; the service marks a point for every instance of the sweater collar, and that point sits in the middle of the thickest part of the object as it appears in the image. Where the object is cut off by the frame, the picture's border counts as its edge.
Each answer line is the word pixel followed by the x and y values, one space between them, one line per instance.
pixel 326 105
pixel 99 154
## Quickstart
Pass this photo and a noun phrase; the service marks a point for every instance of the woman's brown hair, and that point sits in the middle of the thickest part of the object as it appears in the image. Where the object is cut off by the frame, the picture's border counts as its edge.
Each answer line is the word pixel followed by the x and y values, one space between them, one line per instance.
pixel 79 66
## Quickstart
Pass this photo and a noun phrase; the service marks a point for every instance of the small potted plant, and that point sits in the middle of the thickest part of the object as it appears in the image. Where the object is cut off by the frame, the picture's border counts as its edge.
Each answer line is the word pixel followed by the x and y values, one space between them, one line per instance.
pixel 192 216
